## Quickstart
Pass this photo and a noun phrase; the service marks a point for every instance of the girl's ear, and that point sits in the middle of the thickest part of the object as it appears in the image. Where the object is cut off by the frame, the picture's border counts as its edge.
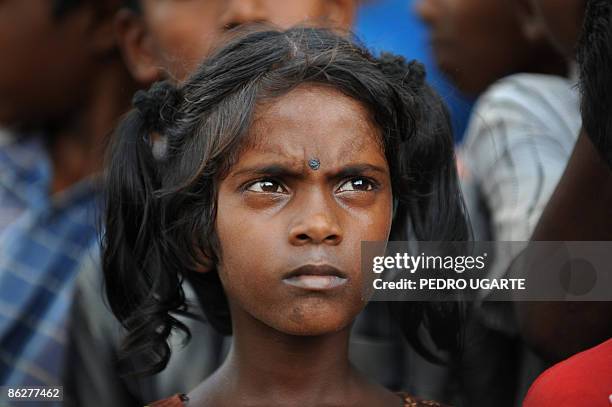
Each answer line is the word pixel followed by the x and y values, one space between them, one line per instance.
pixel 137 47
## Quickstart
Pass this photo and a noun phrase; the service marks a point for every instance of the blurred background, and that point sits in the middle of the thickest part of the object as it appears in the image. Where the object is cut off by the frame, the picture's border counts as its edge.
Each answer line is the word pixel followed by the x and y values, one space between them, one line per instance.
pixel 393 25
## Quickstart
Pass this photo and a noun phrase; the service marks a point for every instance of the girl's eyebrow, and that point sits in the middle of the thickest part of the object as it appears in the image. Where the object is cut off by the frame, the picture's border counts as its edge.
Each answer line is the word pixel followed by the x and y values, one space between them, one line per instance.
pixel 280 170
pixel 357 169
pixel 273 170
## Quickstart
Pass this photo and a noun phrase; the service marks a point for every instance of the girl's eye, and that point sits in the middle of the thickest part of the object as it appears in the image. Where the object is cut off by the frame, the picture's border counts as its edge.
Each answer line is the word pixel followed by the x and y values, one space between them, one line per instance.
pixel 266 186
pixel 357 184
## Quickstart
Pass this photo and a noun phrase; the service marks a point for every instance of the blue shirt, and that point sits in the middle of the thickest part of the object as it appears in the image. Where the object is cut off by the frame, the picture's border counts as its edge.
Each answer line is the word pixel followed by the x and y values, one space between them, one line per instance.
pixel 43 239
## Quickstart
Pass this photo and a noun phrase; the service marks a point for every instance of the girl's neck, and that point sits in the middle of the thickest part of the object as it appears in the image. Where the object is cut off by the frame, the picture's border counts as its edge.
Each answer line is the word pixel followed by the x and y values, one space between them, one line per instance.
pixel 268 367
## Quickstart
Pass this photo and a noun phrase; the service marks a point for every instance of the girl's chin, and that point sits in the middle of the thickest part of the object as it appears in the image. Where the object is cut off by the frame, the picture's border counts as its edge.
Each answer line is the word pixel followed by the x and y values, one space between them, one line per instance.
pixel 315 331
pixel 312 326
pixel 311 316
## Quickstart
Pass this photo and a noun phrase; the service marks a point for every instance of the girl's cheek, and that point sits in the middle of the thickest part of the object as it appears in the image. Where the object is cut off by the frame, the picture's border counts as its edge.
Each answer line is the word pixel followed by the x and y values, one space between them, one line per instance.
pixel 373 209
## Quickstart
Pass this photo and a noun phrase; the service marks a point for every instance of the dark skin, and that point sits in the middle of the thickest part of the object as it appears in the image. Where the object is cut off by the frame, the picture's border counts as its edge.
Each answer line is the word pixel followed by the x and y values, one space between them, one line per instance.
pixel 579 210
pixel 170 38
pixel 276 214
pixel 562 21
pixel 62 76
pixel 477 42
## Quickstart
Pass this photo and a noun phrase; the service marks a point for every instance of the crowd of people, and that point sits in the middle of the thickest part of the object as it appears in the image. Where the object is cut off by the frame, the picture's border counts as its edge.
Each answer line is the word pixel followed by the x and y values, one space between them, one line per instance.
pixel 185 186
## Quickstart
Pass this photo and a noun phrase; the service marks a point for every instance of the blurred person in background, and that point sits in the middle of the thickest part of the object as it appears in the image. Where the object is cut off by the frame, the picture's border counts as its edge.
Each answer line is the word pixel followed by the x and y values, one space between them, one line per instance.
pixel 166 40
pixel 62 86
pixel 394 26
pixel 579 209
pixel 521 132
pixel 475 42
pixel 5 216
pixel 169 39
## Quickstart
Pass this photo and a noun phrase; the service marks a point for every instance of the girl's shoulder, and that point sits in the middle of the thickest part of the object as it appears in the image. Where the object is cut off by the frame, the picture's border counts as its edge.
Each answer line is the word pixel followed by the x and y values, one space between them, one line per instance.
pixel 411 401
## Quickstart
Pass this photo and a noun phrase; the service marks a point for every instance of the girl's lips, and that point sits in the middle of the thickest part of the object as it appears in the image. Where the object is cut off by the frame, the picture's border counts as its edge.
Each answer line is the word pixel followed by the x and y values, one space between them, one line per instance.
pixel 315 282
pixel 316 277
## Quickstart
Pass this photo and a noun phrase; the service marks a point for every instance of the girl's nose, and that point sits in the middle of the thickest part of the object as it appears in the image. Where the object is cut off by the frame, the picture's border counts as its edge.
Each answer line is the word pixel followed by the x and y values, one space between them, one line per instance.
pixel 319 226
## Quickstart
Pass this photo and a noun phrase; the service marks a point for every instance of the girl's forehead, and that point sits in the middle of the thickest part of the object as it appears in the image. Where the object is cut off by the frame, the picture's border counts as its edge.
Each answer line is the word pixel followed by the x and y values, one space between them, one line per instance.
pixel 313 120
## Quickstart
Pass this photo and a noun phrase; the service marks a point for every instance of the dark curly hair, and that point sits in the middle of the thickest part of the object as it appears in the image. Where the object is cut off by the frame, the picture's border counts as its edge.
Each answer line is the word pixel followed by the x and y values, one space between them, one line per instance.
pixel 595 59
pixel 161 202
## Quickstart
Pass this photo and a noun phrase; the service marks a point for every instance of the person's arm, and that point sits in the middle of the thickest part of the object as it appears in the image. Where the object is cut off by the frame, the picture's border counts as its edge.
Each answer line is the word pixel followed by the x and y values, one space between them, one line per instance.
pixel 580 209
pixel 581 206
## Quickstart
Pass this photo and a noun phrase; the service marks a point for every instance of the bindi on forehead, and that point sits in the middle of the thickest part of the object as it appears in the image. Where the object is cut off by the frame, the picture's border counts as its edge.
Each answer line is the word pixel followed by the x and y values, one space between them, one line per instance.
pixel 314 164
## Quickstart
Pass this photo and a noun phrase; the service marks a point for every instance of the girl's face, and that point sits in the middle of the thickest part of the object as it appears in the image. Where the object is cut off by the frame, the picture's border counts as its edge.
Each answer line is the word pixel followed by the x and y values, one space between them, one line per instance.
pixel 291 234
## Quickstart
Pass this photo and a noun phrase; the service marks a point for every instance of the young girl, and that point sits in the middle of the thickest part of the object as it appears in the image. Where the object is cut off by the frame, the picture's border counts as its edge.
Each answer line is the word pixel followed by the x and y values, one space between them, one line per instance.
pixel 258 179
